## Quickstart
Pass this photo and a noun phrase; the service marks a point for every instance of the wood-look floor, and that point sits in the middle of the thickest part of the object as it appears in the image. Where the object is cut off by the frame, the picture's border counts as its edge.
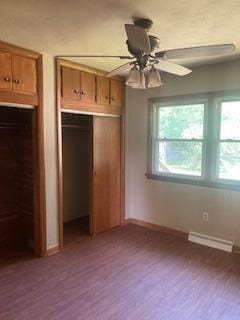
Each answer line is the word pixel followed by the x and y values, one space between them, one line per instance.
pixel 75 231
pixel 127 273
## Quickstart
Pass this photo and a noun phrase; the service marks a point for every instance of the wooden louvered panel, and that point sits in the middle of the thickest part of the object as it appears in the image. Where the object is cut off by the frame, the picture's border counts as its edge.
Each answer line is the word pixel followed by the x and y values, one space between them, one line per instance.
pixel 8 188
pixel 7 173
pixel 16 176
pixel 25 184
pixel 10 234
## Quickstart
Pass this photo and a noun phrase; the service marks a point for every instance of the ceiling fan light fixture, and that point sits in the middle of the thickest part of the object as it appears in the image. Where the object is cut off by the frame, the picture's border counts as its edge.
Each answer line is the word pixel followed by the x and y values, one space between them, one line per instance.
pixel 154 78
pixel 133 76
pixel 141 84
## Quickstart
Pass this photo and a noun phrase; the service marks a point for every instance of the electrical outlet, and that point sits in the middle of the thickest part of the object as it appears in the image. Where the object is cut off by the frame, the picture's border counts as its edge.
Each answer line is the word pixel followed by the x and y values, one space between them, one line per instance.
pixel 205 216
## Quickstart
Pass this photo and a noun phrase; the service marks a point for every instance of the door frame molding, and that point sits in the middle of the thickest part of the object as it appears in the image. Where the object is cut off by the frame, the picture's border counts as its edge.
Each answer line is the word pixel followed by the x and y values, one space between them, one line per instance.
pixel 59 63
pixel 10 98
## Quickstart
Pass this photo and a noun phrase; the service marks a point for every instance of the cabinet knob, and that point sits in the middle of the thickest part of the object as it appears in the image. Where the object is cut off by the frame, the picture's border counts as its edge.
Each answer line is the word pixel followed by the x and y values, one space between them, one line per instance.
pixel 112 98
pixel 83 93
pixel 7 79
pixel 16 81
pixel 76 91
pixel 107 97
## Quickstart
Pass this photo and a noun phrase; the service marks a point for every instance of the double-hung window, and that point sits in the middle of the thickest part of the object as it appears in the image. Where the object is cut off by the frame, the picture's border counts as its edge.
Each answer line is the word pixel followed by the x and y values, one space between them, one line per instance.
pixel 195 140
pixel 227 148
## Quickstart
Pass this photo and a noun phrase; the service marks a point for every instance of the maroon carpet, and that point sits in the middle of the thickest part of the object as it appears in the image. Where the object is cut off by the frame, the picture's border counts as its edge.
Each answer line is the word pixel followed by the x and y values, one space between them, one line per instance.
pixel 128 273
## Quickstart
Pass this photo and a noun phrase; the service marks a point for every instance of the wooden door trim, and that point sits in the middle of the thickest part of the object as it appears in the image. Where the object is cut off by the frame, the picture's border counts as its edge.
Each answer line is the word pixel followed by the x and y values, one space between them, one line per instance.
pixel 94 107
pixel 83 67
pixel 8 47
pixel 16 99
pixel 41 228
pixel 11 96
pixel 72 109
pixel 123 158
pixel 59 153
pixel 90 113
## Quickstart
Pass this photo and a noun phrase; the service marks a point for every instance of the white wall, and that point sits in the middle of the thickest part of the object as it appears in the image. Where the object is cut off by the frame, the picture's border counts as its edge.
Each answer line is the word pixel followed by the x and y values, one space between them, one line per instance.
pixel 170 204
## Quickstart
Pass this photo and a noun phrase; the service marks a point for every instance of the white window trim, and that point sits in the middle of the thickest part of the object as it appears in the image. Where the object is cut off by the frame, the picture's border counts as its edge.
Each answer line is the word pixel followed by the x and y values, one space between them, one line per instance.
pixel 212 104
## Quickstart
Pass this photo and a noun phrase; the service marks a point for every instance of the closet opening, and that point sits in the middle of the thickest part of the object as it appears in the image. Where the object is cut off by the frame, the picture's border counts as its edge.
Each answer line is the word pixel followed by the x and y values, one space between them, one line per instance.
pixel 76 162
pixel 18 181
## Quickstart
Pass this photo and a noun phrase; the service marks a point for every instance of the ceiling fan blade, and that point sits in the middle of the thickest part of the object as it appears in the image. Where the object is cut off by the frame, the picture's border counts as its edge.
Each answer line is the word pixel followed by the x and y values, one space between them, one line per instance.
pixel 124 68
pixel 138 38
pixel 195 52
pixel 94 56
pixel 171 67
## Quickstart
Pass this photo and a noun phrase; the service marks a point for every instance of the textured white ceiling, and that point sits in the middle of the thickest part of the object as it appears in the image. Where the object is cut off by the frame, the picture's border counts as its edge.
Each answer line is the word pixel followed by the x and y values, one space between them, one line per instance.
pixel 61 27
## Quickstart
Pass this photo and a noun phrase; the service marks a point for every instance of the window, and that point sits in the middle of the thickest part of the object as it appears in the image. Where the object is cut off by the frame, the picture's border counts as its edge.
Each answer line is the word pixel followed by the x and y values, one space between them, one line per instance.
pixel 228 148
pixel 196 140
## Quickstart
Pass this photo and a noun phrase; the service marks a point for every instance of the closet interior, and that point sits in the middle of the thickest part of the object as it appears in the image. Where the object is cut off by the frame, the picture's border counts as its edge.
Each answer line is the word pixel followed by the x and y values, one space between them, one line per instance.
pixel 17 179
pixel 76 161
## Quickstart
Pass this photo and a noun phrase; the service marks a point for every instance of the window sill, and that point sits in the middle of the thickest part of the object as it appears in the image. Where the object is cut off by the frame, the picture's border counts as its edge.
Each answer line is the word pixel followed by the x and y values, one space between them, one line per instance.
pixel 201 183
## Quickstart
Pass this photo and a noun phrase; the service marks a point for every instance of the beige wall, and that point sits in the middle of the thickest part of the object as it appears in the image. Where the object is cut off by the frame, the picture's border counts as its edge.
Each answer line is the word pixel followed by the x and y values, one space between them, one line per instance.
pixel 171 204
pixel 174 205
pixel 50 150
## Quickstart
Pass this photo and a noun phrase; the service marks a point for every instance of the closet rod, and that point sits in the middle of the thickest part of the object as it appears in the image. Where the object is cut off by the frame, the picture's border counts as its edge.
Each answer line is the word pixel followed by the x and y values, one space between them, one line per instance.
pixel 75 127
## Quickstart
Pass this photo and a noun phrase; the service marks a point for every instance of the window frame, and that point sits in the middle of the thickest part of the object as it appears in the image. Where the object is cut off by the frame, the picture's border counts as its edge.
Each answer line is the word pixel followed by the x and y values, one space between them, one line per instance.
pixel 203 140
pixel 216 149
pixel 210 141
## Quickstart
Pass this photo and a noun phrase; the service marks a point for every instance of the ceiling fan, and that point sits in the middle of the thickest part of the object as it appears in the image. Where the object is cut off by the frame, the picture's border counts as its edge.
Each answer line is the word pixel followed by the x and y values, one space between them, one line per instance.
pixel 146 61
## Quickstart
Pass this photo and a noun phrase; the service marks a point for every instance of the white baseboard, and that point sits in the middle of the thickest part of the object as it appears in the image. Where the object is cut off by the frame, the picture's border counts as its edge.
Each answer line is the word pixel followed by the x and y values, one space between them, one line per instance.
pixel 210 241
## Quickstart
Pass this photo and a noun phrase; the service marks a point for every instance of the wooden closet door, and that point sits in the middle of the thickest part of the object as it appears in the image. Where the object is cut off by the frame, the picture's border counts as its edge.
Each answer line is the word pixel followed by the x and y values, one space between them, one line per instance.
pixel 5 71
pixel 106 174
pixel 88 87
pixel 70 83
pixel 103 90
pixel 24 72
pixel 116 93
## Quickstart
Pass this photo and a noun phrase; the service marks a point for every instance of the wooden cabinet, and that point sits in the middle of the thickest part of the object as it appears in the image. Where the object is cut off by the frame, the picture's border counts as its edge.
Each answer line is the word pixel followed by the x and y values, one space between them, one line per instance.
pixel 103 90
pixel 5 71
pixel 102 101
pixel 106 174
pixel 18 73
pixel 78 85
pixel 109 92
pixel 24 75
pixel 116 93
pixel 88 85
pixel 88 91
pixel 70 83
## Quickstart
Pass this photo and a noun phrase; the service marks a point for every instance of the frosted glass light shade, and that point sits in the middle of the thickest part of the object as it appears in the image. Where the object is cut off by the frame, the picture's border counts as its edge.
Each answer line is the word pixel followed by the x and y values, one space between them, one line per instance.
pixel 154 78
pixel 142 83
pixel 133 77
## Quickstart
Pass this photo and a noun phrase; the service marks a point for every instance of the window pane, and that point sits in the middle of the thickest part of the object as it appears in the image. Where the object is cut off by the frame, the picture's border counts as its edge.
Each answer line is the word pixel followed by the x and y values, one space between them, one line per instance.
pixel 181 122
pixel 230 120
pixel 180 157
pixel 229 160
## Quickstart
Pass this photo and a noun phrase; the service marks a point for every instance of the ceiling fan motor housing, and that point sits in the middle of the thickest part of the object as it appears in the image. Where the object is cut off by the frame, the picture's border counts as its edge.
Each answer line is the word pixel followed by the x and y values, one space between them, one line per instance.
pixel 135 52
pixel 143 23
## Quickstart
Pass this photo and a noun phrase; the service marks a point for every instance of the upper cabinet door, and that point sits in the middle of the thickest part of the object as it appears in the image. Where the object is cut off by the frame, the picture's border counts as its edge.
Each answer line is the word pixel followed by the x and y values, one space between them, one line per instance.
pixel 103 90
pixel 24 71
pixel 5 71
pixel 70 83
pixel 88 86
pixel 116 93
